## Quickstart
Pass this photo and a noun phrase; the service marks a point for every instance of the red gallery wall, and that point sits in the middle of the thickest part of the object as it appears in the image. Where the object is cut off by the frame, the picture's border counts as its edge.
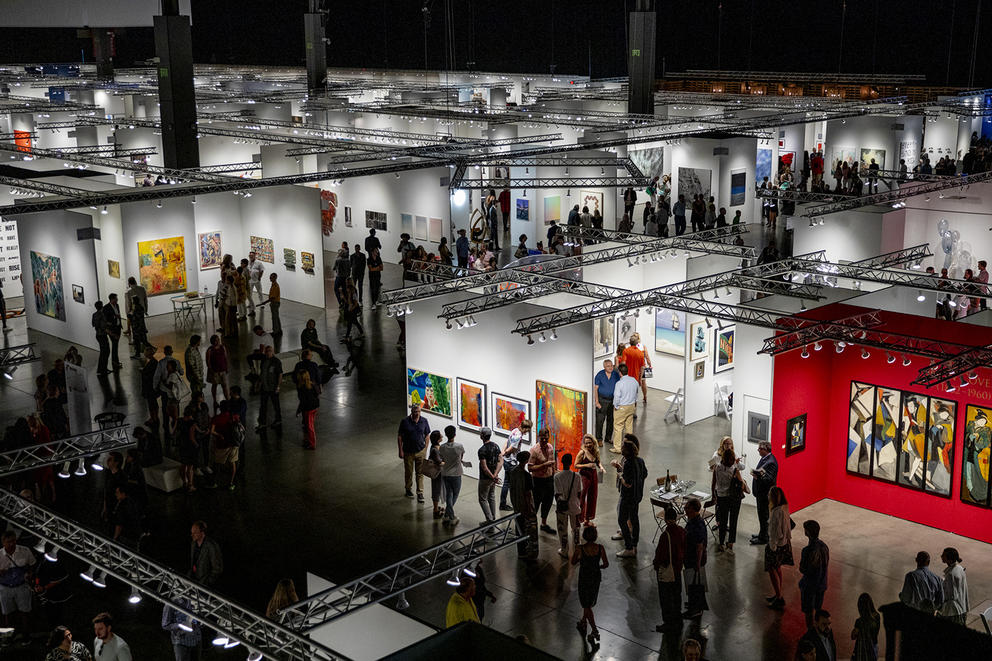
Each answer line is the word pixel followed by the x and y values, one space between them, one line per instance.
pixel 820 387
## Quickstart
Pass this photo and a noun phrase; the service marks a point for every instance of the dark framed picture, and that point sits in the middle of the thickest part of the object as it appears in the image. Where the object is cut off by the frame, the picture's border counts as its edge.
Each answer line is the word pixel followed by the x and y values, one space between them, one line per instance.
pixel 757 427
pixel 699 369
pixel 77 294
pixel 795 435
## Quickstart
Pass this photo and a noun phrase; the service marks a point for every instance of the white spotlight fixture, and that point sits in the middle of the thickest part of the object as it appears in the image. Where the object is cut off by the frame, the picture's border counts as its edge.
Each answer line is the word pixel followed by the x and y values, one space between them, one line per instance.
pixel 158 204
pixel 950 386
pixel 100 579
pixel 468 572
pixel 952 302
pixel 964 381
pixel 817 346
pixel 469 322
pixel 103 211
pixel 840 346
pixel 973 376
pixel 889 358
pixel 543 338
pixel 88 574
pixel 9 373
pixel 221 640
pixel 454 581
pixel 805 353
pixel 255 655
pixel 185 626
pixel 865 354
pixel 135 597
pixel 231 643
pixel 554 335
pixel 80 468
pixel 447 324
pixel 64 473
pixel 920 296
pixel 408 310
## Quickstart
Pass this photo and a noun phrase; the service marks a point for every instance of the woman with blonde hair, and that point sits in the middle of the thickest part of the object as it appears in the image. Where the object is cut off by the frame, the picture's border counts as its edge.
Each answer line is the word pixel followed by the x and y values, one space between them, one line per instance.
pixel 510 462
pixel 726 443
pixel 588 464
pixel 284 596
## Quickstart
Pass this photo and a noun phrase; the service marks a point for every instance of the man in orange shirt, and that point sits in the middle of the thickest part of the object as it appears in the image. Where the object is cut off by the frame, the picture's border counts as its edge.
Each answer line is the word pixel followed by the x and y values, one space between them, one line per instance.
pixel 635 358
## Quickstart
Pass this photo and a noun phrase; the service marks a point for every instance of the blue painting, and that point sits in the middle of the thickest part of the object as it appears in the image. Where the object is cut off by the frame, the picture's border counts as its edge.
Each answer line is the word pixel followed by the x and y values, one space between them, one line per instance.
pixel 738 179
pixel 669 332
pixel 763 166
pixel 523 209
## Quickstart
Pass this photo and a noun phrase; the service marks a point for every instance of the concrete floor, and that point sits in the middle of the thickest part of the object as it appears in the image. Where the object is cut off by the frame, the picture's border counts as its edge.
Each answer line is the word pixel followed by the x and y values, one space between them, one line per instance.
pixel 340 512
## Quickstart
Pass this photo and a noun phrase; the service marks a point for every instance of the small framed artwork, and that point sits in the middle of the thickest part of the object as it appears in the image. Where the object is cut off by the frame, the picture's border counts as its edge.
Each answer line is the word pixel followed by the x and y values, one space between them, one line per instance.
pixel 699 370
pixel 795 435
pixel 626 326
pixel 306 259
pixel 723 355
pixel 289 258
pixel 699 340
pixel 347 216
pixel 757 427
pixel 77 294
pixel 508 414
pixel 471 404
pixel 114 268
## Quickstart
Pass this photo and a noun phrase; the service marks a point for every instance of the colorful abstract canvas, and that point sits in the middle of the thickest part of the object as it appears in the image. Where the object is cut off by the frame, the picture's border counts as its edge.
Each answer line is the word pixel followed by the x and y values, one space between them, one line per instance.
pixel 795 435
pixel 49 294
pixel 562 411
pixel 210 254
pixel 977 441
pixel 263 249
pixel 114 268
pixel 885 446
pixel 306 259
pixel 939 460
pixel 430 391
pixel 508 413
pixel 913 426
pixel 162 265
pixel 289 256
pixel 860 428
pixel 842 155
pixel 592 200
pixel 669 332
pixel 523 208
pixel 699 340
pixel 471 404
pixel 552 208
pixel 723 358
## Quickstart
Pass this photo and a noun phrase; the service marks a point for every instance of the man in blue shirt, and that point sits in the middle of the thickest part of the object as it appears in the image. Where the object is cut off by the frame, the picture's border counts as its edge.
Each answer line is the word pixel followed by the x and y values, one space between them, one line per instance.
pixel 461 249
pixel 412 440
pixel 678 210
pixel 606 380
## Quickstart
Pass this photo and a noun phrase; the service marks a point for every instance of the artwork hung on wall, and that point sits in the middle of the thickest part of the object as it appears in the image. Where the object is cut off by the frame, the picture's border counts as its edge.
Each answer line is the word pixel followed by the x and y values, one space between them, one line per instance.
pixel 347 216
pixel 471 404
pixel 723 356
pixel 626 326
pixel 693 182
pixel 699 370
pixel 977 441
pixel 289 256
pixel 909 151
pixel 523 208
pixel 77 294
pixel 939 461
pixel 406 223
pixel 430 391
pixel 913 428
pixel 738 185
pixel 699 340
pixel 885 446
pixel 435 230
pixel 162 265
pixel 306 259
pixel 859 428
pixel 210 251
pixel 593 200
pixel 602 337
pixel 669 332
pixel 868 154
pixel 651 161
pixel 842 155
pixel 795 435
pixel 563 412
pixel 263 248
pixel 114 268
pixel 552 209
pixel 762 166
pixel 508 413
pixel 375 220
pixel 420 228
pixel 757 427
pixel 328 211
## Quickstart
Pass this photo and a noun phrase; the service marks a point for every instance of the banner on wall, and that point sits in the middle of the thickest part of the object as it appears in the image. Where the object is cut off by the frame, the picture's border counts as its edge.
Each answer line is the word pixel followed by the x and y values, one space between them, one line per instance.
pixel 10 259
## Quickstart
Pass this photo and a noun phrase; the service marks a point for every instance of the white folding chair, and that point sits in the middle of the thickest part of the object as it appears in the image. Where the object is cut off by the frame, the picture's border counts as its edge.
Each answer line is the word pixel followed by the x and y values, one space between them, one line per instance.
pixel 986 616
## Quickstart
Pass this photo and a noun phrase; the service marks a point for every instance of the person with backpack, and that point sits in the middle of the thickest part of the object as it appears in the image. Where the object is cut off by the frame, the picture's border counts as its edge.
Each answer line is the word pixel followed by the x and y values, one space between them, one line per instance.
pixel 630 483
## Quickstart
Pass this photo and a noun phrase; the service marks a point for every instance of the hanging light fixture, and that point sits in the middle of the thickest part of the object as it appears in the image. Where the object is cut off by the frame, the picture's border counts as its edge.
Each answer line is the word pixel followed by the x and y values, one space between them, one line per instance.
pixel 100 579
pixel 906 362
pixel 135 597
pixel 919 295
pixel 88 574
pixel 817 346
pixel 80 468
pixel 64 473
pixel 889 358
pixel 864 354
pixel 840 346
pixel 950 386
pixel 805 353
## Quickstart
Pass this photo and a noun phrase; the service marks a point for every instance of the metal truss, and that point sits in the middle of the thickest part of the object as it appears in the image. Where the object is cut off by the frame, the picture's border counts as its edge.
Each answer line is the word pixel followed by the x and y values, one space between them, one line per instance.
pixel 66 449
pixel 957 366
pixel 229 167
pixel 808 334
pixel 546 286
pixel 899 194
pixel 537 183
pixel 238 623
pixel 705 241
pixel 453 144
pixel 53 189
pixel 16 355
pixel 829 272
pixel 912 255
pixel 425 566
pixel 446 285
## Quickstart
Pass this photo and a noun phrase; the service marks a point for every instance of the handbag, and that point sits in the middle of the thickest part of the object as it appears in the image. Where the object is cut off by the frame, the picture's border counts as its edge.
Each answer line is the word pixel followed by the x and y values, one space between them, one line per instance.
pixel 561 506
pixel 430 469
pixel 737 486
pixel 667 574
pixel 647 373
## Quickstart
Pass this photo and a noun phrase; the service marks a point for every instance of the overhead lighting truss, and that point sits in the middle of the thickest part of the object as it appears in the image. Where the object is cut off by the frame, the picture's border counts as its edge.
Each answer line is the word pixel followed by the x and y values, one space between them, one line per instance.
pixel 45 187
pixel 538 183
pixel 546 286
pixel 956 366
pixel 16 355
pixel 65 449
pixel 913 255
pixel 903 193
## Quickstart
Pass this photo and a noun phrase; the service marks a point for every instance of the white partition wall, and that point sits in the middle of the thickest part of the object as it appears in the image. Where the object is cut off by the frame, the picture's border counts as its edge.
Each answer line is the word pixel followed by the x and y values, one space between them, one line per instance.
pixel 752 385
pixel 850 235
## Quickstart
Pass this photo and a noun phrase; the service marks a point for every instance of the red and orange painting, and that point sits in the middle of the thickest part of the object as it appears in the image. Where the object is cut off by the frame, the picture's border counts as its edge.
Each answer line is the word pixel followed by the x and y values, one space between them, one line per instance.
pixel 563 412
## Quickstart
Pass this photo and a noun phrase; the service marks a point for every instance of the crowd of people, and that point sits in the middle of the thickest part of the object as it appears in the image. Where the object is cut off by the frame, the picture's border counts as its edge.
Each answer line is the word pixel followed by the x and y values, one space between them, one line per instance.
pixel 971 299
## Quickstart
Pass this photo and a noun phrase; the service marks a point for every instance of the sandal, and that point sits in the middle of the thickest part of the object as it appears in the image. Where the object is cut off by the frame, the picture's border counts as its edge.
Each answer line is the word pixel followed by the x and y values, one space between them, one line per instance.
pixel 581 626
pixel 593 636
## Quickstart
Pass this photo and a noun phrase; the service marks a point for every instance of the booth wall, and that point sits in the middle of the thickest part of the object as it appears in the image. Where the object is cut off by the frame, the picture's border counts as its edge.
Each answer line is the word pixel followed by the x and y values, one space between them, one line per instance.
pixel 110 246
pixel 847 235
pixel 752 384
pixel 969 216
pixel 219 212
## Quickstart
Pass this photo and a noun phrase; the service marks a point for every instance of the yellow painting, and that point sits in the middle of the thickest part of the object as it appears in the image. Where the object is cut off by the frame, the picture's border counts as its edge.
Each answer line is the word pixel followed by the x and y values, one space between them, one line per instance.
pixel 162 265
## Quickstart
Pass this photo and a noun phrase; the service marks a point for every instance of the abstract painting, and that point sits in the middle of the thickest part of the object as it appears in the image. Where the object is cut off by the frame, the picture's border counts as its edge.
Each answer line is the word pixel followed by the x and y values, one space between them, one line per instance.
pixel 306 259
pixel 626 326
pixel 977 439
pixel 884 441
pixel 859 428
pixel 841 155
pixel 375 220
pixel 420 228
pixel 562 411
pixel 552 209
pixel 669 332
pixel 77 294
pixel 913 427
pixel 795 435
pixel 738 185
pixel 651 161
pixel 523 208
pixel 508 414
pixel 693 182
pixel 328 211
pixel 762 166
pixel 289 256
pixel 49 295
pixel 162 265
pixel 435 230
pixel 593 200
pixel 210 254
pixel 430 391
pixel 877 154
pixel 114 268
pixel 699 340
pixel 757 427
pixel 723 357
pixel 602 337
pixel 406 223
pixel 263 249
pixel 471 404
pixel 909 151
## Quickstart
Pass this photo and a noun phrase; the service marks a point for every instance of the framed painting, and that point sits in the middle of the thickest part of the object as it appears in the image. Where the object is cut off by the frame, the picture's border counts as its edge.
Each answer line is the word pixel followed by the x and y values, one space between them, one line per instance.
pixel 471 404
pixel 841 155
pixel 593 200
pixel 693 182
pixel 602 337
pixel 210 251
pixel 114 268
pixel 77 294
pixel 757 427
pixel 347 216
pixel 699 340
pixel 508 413
pixel 375 220
pixel 975 472
pixel 738 185
pixel 406 224
pixel 523 208
pixel 306 260
pixel 263 249
pixel 289 256
pixel 669 332
pixel 860 429
pixel 562 411
pixel 885 424
pixel 795 435
pixel 435 230
pixel 913 425
pixel 650 161
pixel 723 356
pixel 763 166
pixel 49 293
pixel 868 154
pixel 162 265
pixel 430 391
pixel 552 209
pixel 699 370
pixel 939 463
pixel 626 326
pixel 420 228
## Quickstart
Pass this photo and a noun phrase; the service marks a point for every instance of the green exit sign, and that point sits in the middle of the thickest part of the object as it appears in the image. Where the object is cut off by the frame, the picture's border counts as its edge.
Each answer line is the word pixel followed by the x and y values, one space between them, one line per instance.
pixel 163 72
pixel 636 52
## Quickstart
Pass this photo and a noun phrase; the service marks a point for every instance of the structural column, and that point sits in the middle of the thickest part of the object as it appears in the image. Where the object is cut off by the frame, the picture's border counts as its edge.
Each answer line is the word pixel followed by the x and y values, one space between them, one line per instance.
pixel 313 26
pixel 177 100
pixel 641 58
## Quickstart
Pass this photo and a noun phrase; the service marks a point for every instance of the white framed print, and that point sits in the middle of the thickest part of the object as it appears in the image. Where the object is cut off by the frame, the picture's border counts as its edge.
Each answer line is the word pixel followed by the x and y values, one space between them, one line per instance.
pixel 699 340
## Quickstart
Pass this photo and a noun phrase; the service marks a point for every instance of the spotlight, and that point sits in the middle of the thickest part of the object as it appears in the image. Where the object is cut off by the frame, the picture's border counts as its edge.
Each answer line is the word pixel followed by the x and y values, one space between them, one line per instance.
pixel 158 204
pixel 104 212
pixel 408 311
pixel 188 628
pixel 919 296
pixel 916 266
pixel 802 305
pixel 554 335
pixel 100 579
pixel 447 324
pixel 889 358
pixel 865 354
pixel 80 468
pixel 9 373
pixel 950 386
pixel 468 572
pixel 543 338
pixel 255 655
pixel 805 353
pixel 973 376
pixel 135 597
pixel 88 574
pixel 952 302
pixel 840 346
pixel 40 546
pixel 964 381
pixel 530 340
pixel 231 643
pixel 461 324
pixel 469 322
pixel 401 602
pixel 221 640
pixel 397 175
pixel 64 473
pixel 454 581
pixel 817 346
pixel 857 285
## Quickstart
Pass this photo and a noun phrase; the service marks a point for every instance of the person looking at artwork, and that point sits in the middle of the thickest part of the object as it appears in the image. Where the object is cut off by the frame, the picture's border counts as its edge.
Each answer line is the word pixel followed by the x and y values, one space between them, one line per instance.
pixel 411 440
pixel 588 464
pixel 669 559
pixel 678 211
pixel 955 606
pixel 631 486
pixel 100 325
pixel 603 388
pixel 542 469
pixel 510 450
pixel 624 403
pixel 568 487
pixel 778 551
pixel 866 628
pixel 374 263
pixel 490 463
pixel 629 200
pixel 813 564
pixel 729 488
pixel 522 497
pixel 134 291
pixel 358 264
pixel 452 454
pixel 274 301
pixel 922 589
pixel 763 478
pixel 136 321
pixel 694 561
pixel 255 271
pixel 636 359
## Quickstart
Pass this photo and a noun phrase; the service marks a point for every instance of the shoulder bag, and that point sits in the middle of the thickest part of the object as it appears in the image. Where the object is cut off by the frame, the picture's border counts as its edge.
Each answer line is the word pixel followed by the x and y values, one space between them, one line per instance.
pixel 561 506
pixel 430 469
pixel 667 574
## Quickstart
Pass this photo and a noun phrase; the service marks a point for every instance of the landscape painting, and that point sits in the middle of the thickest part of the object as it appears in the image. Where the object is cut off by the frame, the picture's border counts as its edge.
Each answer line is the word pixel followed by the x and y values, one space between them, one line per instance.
pixel 49 293
pixel 669 332
pixel 471 404
pixel 162 265
pixel 523 208
pixel 430 391
pixel 562 411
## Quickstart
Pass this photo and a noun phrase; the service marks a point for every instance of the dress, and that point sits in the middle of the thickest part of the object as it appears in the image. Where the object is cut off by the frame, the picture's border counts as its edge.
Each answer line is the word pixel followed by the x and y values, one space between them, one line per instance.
pixel 866 644
pixel 590 575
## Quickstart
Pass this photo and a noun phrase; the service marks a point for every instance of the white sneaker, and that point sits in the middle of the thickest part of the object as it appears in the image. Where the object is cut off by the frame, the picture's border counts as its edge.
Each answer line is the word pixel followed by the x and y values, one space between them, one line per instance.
pixel 208 470
pixel 563 553
pixel 627 553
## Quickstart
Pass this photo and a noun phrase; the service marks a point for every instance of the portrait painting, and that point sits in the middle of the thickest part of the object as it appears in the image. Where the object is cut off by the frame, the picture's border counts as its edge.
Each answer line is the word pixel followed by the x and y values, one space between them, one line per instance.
pixel 626 326
pixel 977 441
pixel 210 251
pixel 795 435
pixel 430 391
pixel 162 265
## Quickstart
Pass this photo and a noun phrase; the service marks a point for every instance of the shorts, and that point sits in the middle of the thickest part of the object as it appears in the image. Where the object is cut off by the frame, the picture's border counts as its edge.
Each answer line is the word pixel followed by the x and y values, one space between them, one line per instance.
pixel 217 378
pixel 225 455
pixel 16 599
pixel 812 600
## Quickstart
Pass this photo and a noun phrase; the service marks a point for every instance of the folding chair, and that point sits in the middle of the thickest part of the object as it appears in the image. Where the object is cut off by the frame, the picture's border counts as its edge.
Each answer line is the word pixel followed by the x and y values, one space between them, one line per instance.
pixel 986 616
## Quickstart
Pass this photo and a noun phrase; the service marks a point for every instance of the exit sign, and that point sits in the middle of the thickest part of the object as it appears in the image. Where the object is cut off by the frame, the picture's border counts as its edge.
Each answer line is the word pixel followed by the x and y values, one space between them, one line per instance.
pixel 635 52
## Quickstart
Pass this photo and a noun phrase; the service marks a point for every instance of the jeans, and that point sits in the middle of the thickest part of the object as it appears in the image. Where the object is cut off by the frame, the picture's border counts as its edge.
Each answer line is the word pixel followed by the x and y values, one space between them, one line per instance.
pixel 544 495
pixel 104 342
pixel 604 420
pixel 359 279
pixel 339 284
pixel 412 464
pixel 727 507
pixel 375 285
pixel 505 489
pixel 627 511
pixel 564 519
pixel 255 286
pixel 276 322
pixel 266 397
pixel 452 485
pixel 487 498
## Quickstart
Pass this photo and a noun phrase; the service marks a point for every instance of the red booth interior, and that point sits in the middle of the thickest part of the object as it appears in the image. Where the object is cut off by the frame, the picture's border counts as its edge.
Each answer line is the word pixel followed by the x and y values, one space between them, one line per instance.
pixel 820 387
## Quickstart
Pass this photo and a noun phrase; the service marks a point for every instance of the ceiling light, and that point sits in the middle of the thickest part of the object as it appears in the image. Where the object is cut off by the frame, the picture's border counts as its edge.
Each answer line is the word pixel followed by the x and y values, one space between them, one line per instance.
pixel 964 381
pixel 906 362
pixel 104 212
pixel 88 574
pixel 188 628
pixel 920 296
pixel 9 373
pixel 840 347
pixel 530 340
pixel 254 655
pixel 889 358
pixel 454 581
pixel 231 643
pixel 468 572
pixel 81 468
pixel 158 204
pixel 950 386
pixel 817 346
pixel 865 354
pixel 135 597
pixel 64 473
pixel 408 311
pixel 554 335
pixel 221 640
pixel 447 324
pixel 100 579
pixel 40 546
pixel 805 353
pixel 952 302
pixel 543 338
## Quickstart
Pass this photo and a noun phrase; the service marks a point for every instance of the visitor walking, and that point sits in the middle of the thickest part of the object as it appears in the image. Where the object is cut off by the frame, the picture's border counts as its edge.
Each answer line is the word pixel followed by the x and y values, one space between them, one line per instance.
pixel 114 329
pixel 813 564
pixel 461 605
pixel 778 551
pixel 451 453
pixel 568 486
pixel 866 628
pixel 522 497
pixel 729 488
pixel 822 637
pixel 510 449
pixel 590 467
pixel 591 559
pixel 432 469
pixel 309 403
pixel 255 271
pixel 669 561
pixel 411 440
pixel 353 309
pixel 194 364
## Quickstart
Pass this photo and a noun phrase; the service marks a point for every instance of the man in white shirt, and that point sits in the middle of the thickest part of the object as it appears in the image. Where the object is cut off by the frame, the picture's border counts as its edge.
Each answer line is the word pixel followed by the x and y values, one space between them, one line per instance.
pixel 16 565
pixel 624 400
pixel 108 646
pixel 255 272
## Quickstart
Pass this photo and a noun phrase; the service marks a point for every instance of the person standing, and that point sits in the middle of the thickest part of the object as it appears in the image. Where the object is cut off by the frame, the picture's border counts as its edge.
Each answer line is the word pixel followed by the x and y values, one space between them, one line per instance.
pixel 866 628
pixel 522 497
pixel 255 271
pixel 624 403
pixel 983 279
pixel 136 320
pixel 922 589
pixel 636 359
pixel 100 325
pixel 461 605
pixel 114 329
pixel 631 486
pixel 568 487
pixel 411 440
pixel 217 367
pixel 134 292
pixel 763 478
pixel 603 387
pixel 241 290
pixel 504 207
pixel 629 201
pixel 591 559
pixel 589 466
pixel 461 249
pixel 490 463
pixel 206 563
pixel 510 450
pixel 822 637
pixel 309 403
pixel 694 574
pixel 16 566
pixel 353 309
pixel 669 560
pixel 729 488
pixel 678 211
pixel 662 214
pixel 452 454
pixel 269 381
pixel 778 551
pixel 358 263
pixel 274 300
pixel 108 646
pixel 493 221
pixel 184 632
pixel 955 606
pixel 542 468
pixel 374 263
pixel 813 564
pixel 873 177
pixel 432 469
pixel 194 364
